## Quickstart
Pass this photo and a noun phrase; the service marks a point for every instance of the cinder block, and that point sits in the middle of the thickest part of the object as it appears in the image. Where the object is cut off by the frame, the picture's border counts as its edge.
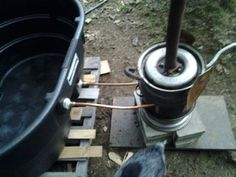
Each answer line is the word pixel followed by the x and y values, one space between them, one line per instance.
pixel 152 136
pixel 191 132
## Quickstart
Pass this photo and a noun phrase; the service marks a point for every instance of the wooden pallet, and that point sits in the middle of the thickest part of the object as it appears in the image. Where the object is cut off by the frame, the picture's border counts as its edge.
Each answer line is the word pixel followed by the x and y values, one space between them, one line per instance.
pixel 78 147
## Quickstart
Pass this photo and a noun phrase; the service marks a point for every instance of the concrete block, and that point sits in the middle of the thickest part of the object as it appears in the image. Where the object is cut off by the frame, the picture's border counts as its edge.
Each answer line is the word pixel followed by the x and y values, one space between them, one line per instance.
pixel 151 134
pixel 191 132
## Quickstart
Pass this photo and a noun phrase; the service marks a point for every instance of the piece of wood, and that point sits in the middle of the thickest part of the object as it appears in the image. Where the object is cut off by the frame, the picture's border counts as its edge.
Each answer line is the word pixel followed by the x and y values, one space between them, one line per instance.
pixel 89 78
pixel 82 134
pixel 76 113
pixel 115 158
pixel 105 67
pixel 198 87
pixel 76 152
pixel 127 156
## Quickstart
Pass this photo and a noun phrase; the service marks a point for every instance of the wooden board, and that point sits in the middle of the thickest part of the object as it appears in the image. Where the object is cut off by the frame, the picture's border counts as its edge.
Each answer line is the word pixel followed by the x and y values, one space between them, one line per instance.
pixel 89 78
pixel 76 152
pixel 82 133
pixel 105 68
pixel 83 118
pixel 76 113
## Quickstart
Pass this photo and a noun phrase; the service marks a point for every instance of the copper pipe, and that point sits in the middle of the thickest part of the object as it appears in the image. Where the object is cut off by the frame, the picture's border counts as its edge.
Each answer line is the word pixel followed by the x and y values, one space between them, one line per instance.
pixel 113 84
pixel 77 104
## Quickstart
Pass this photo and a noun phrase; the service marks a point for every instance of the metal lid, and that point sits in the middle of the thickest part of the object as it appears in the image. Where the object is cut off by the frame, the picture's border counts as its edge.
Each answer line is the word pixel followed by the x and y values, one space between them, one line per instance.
pixel 154 72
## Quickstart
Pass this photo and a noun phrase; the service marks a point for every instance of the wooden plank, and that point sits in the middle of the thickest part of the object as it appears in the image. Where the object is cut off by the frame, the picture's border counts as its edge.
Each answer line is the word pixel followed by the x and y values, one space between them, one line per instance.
pixel 86 116
pixel 76 113
pixel 89 78
pixel 75 152
pixel 105 67
pixel 82 134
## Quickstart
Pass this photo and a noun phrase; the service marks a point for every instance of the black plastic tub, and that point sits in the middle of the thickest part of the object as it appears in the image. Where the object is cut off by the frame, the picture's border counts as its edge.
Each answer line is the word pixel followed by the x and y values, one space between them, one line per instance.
pixel 41 59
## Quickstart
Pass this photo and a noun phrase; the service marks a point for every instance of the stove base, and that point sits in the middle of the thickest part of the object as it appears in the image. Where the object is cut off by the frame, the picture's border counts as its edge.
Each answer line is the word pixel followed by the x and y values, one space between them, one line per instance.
pixel 187 132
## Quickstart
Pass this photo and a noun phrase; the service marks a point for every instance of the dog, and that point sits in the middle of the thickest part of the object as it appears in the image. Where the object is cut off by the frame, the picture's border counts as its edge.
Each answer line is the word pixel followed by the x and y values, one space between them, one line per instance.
pixel 148 162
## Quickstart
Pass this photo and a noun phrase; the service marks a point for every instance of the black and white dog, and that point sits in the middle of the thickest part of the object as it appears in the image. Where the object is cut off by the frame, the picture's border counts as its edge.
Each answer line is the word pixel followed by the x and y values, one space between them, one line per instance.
pixel 148 162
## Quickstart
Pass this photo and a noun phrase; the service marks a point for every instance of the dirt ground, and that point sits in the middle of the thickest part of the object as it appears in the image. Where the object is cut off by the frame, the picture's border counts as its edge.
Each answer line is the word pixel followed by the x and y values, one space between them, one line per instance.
pixel 121 30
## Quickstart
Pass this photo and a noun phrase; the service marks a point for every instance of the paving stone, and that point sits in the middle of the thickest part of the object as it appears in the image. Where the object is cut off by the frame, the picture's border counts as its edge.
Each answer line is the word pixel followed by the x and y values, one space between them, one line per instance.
pixel 214 115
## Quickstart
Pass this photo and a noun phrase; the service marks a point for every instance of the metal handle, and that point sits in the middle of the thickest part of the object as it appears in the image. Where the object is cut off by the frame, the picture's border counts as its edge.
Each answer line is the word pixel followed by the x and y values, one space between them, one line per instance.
pixel 132 73
pixel 215 59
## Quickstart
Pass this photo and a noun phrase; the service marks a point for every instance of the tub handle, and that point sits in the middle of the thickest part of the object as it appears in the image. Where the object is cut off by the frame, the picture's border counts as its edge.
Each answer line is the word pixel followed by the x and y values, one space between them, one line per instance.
pixel 132 73
pixel 215 59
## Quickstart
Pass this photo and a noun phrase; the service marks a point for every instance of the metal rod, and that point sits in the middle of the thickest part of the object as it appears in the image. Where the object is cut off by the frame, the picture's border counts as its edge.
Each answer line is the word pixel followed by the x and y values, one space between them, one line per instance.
pixel 173 33
pixel 95 7
pixel 117 84
pixel 77 104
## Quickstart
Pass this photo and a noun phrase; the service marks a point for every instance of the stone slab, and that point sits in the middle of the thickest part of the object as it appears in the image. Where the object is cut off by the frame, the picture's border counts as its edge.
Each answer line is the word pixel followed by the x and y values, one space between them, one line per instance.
pixel 211 109
pixel 91 63
pixel 214 115
pixel 58 174
pixel 89 94
pixel 124 126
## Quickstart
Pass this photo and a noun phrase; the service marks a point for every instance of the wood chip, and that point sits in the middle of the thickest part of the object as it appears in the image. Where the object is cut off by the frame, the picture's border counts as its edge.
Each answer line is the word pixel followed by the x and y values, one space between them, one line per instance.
pixel 89 78
pixel 105 128
pixel 127 156
pixel 105 67
pixel 76 152
pixel 115 158
pixel 76 113
pixel 82 134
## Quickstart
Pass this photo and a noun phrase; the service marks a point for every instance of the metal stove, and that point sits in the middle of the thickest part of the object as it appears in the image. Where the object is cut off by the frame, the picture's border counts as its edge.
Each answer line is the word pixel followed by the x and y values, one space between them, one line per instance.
pixel 171 75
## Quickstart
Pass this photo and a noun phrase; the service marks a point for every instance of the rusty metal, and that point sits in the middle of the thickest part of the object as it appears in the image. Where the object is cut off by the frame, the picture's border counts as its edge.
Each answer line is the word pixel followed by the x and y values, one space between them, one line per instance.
pixel 197 88
pixel 173 34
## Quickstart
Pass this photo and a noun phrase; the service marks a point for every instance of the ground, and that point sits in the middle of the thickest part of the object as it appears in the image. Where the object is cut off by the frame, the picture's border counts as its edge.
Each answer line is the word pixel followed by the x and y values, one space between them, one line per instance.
pixel 121 30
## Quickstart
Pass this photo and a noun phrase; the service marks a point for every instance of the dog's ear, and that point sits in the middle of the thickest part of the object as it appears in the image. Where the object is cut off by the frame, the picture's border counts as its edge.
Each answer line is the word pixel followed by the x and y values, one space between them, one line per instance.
pixel 148 162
